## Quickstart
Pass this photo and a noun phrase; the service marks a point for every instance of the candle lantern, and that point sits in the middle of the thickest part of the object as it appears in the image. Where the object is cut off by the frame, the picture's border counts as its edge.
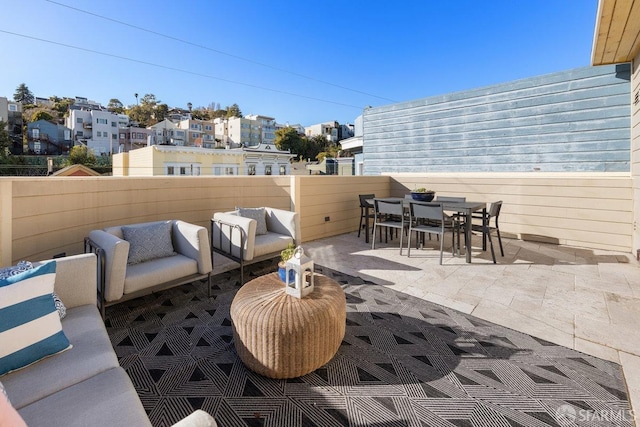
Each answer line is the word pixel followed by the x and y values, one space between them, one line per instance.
pixel 302 266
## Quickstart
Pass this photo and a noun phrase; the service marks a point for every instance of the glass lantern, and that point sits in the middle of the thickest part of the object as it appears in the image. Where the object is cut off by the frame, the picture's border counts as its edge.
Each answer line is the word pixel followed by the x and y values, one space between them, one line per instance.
pixel 302 266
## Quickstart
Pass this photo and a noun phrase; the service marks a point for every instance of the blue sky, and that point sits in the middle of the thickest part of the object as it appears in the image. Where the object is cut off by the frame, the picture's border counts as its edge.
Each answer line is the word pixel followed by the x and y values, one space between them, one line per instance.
pixel 301 62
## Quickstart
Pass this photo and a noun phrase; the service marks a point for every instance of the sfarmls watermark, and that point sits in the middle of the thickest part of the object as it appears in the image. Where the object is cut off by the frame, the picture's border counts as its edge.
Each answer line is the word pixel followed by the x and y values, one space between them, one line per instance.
pixel 568 415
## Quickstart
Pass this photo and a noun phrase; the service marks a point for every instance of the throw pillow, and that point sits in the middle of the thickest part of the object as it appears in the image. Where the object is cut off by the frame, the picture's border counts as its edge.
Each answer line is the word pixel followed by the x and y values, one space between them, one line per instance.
pixel 148 242
pixel 30 327
pixel 23 266
pixel 259 214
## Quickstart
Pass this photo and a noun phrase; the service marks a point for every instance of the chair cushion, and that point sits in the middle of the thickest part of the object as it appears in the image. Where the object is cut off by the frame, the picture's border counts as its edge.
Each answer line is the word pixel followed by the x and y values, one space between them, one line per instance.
pixel 149 241
pixel 161 270
pixel 271 243
pixel 259 214
pixel 30 327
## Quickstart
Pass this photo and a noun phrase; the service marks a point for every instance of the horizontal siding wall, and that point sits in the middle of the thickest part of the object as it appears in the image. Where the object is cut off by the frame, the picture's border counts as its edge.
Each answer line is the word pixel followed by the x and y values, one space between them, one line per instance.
pixel 336 197
pixel 592 210
pixel 577 120
pixel 41 217
pixel 53 215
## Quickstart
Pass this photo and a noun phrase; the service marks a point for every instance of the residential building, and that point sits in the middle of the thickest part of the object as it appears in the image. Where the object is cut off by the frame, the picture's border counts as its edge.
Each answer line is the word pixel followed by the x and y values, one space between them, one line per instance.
pixel 198 133
pixel 171 160
pixel 353 146
pixel 167 132
pixel 132 137
pixel 298 127
pixel 331 131
pixel 94 126
pixel 45 137
pixel 248 131
pixel 11 114
pixel 159 160
pixel 266 159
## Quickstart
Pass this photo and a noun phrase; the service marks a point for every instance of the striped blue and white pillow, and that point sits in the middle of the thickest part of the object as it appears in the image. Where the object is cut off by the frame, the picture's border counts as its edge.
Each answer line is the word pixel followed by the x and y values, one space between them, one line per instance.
pixel 30 327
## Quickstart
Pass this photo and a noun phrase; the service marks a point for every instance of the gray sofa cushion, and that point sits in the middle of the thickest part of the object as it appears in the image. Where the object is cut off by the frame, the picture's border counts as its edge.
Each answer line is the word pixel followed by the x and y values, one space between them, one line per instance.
pixel 271 243
pixel 106 399
pixel 91 354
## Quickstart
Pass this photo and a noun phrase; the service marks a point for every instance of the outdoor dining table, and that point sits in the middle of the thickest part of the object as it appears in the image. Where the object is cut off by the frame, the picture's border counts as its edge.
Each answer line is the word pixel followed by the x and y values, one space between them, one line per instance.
pixel 462 208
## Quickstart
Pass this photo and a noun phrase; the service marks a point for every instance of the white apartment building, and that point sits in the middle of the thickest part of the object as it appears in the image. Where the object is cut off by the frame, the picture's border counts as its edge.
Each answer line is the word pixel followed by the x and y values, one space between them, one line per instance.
pixel 167 132
pixel 248 131
pixel 97 129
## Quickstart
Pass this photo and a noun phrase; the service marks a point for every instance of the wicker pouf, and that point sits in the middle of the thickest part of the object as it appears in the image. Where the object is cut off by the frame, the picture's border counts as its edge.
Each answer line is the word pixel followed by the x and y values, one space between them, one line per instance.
pixel 280 336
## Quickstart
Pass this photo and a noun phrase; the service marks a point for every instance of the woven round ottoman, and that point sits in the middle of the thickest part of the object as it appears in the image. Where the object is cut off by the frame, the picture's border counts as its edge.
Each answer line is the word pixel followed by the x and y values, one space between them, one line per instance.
pixel 280 336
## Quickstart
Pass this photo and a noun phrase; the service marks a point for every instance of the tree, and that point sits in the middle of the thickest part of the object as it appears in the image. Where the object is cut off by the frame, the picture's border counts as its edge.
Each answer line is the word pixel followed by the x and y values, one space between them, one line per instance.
pixel 289 139
pixel 115 106
pixel 41 115
pixel 62 105
pixel 149 99
pixel 162 111
pixel 23 94
pixel 80 155
pixel 233 111
pixel 5 140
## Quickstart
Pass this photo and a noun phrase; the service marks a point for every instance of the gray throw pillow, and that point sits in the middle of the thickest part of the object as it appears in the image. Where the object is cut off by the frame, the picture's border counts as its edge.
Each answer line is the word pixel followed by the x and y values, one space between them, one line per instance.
pixel 148 242
pixel 259 214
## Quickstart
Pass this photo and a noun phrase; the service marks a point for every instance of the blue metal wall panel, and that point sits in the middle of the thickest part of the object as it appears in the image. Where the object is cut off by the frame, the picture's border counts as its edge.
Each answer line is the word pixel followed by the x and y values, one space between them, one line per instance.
pixel 576 120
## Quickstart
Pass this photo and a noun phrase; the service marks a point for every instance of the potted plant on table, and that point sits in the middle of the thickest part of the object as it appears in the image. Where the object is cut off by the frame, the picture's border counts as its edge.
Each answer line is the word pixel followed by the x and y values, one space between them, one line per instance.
pixel 285 255
pixel 422 194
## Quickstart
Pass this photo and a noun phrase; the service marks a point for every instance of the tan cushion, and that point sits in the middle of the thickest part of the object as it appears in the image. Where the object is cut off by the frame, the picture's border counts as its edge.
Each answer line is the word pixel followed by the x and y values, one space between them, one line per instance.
pixel 154 272
pixel 270 243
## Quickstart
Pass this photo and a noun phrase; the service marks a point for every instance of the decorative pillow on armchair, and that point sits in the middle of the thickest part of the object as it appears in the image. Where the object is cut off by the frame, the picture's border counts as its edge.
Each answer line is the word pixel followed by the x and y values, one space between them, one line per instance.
pixel 148 242
pixel 259 214
pixel 30 327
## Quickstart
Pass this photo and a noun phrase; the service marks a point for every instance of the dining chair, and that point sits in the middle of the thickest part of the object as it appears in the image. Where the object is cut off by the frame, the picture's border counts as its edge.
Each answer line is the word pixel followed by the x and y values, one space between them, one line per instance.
pixel 486 229
pixel 460 220
pixel 365 205
pixel 389 214
pixel 428 217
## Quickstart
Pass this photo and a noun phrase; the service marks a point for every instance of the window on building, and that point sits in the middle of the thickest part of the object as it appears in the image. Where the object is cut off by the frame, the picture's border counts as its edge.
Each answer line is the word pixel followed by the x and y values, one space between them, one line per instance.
pixel 267 170
pixel 114 136
pixel 251 170
pixel 79 120
pixel 113 124
pixel 195 170
pixel 102 121
pixel 283 170
pixel 194 135
pixel 13 107
pixel 183 170
pixel 170 170
pixel 80 133
pixel 123 136
pixel 229 170
pixel 207 127
pixel 35 133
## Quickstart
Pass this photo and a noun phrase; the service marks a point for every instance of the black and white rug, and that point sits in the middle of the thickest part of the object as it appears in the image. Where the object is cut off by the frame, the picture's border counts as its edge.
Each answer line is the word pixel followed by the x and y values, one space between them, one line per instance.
pixel 403 362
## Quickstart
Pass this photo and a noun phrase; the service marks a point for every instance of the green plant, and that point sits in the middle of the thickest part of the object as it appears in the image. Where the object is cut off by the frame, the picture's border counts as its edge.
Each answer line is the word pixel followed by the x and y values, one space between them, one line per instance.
pixel 287 253
pixel 422 190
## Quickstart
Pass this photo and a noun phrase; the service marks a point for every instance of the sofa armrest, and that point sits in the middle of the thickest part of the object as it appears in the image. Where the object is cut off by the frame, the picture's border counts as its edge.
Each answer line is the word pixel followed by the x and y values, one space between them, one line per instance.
pixel 229 230
pixel 76 279
pixel 284 222
pixel 116 252
pixel 198 418
pixel 193 241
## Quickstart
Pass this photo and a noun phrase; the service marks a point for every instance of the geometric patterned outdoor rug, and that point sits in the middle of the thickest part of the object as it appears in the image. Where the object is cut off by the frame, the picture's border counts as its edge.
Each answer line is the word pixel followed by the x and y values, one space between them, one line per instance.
pixel 403 362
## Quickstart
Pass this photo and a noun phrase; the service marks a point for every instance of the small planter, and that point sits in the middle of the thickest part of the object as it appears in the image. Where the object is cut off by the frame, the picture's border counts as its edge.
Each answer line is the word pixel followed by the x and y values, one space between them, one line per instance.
pixel 425 196
pixel 282 273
